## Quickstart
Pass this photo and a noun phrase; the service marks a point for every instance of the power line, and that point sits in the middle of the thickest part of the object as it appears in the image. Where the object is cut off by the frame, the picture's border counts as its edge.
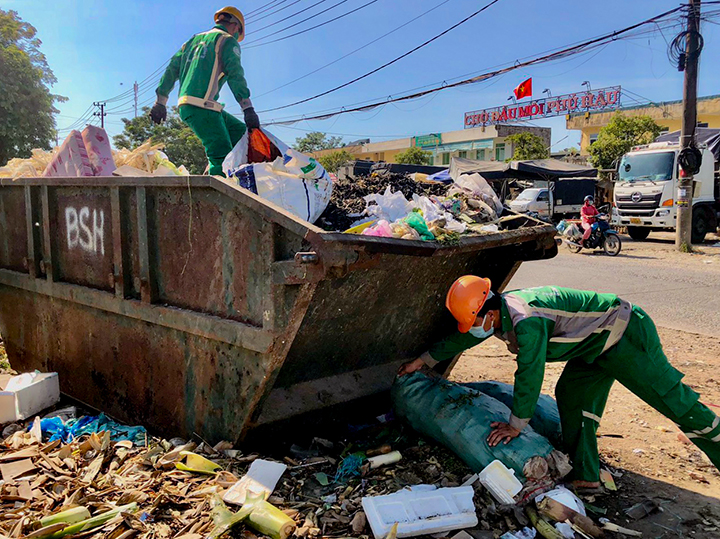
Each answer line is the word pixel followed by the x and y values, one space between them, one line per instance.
pixel 296 23
pixel 599 41
pixel 274 12
pixel 387 64
pixel 305 10
pixel 356 50
pixel 251 46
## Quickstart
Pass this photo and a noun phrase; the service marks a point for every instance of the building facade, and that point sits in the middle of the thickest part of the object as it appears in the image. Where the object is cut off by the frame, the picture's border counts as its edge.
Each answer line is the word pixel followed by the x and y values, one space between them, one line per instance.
pixel 667 114
pixel 484 143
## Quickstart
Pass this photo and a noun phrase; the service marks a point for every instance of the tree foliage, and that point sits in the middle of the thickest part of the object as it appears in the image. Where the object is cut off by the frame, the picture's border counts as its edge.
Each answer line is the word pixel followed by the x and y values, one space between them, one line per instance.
pixel 26 103
pixel 181 145
pixel 527 146
pixel 333 161
pixel 619 136
pixel 315 141
pixel 414 156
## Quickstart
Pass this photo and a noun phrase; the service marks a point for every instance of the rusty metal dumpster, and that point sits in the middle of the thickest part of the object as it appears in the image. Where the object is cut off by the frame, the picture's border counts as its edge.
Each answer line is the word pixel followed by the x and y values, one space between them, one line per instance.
pixel 191 305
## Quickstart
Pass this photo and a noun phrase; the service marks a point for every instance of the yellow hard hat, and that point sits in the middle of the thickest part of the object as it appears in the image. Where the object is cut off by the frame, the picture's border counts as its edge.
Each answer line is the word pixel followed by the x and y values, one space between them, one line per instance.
pixel 233 12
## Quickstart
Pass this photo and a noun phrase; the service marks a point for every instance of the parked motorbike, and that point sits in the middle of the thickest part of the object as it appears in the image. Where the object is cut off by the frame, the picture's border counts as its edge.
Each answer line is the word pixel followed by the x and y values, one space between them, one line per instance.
pixel 602 237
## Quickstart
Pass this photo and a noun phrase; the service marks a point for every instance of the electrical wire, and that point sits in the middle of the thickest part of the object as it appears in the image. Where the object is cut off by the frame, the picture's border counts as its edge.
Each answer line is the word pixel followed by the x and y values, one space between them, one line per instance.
pixel 245 45
pixel 255 44
pixel 355 50
pixel 391 62
pixel 273 13
pixel 568 51
pixel 305 10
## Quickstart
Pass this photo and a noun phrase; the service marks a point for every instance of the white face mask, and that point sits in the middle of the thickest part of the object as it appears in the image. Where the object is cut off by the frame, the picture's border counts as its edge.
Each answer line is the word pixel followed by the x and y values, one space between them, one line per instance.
pixel 480 332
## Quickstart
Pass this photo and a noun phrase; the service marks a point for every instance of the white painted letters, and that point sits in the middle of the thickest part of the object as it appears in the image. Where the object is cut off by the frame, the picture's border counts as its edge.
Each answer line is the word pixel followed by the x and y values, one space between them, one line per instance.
pixel 79 233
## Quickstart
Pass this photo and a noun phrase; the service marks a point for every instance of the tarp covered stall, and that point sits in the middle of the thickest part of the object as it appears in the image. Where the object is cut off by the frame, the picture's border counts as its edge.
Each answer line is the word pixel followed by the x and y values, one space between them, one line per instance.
pixel 704 136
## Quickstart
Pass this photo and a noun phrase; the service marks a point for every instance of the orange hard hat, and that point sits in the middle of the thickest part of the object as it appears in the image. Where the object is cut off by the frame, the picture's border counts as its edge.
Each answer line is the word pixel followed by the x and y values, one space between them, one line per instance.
pixel 465 298
pixel 235 13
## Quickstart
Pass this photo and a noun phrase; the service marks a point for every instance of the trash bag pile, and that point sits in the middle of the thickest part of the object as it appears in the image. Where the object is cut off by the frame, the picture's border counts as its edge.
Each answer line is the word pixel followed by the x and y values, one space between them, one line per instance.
pixel 267 167
pixel 397 206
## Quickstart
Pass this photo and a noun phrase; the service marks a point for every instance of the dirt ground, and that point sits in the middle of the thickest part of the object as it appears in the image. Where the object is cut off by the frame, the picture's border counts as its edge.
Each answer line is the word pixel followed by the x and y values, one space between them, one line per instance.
pixel 640 443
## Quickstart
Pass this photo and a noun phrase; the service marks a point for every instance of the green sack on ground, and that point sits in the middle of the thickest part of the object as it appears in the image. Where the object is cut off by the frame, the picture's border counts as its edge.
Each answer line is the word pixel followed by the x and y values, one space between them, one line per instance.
pixel 545 421
pixel 459 417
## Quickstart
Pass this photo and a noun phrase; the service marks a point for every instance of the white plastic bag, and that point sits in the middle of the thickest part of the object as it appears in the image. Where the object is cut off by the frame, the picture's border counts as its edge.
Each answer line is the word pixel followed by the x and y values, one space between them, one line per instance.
pixel 294 181
pixel 389 206
pixel 480 187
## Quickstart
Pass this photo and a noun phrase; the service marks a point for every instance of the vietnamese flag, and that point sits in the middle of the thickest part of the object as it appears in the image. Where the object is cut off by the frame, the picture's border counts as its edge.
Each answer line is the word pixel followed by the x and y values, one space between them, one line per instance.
pixel 524 89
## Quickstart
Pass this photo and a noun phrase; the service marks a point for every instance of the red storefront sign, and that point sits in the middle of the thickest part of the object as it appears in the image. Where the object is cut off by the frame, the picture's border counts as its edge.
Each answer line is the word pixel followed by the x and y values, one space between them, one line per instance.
pixel 593 101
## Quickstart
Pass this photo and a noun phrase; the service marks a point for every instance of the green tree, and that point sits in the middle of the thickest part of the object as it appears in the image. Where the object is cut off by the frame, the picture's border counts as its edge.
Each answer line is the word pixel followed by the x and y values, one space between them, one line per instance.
pixel 333 161
pixel 181 145
pixel 315 141
pixel 619 136
pixel 414 156
pixel 527 146
pixel 26 103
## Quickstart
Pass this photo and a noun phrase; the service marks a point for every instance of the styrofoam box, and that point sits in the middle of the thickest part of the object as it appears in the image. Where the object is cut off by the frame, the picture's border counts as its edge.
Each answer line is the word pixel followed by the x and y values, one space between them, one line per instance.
pixel 421 510
pixel 43 392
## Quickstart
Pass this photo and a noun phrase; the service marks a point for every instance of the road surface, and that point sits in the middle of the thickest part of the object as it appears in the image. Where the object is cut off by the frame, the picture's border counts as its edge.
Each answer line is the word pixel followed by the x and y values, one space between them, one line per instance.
pixel 678 291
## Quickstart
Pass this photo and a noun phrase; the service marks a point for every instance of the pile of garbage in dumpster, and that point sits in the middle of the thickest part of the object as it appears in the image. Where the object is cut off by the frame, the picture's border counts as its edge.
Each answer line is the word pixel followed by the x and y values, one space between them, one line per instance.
pixel 68 474
pixel 396 205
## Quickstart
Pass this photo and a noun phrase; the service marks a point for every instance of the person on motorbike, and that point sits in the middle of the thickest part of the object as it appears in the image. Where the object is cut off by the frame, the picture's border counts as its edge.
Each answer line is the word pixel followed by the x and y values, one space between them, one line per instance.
pixel 588 215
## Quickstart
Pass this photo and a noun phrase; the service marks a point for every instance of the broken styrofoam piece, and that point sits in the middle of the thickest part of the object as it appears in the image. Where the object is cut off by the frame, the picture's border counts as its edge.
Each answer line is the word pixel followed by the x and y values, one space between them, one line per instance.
pixel 261 479
pixel 565 497
pixel 28 394
pixel 421 510
pixel 500 481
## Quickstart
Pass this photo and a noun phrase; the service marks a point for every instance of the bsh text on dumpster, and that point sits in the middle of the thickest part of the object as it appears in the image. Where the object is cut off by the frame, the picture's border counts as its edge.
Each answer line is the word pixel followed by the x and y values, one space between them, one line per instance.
pixel 83 231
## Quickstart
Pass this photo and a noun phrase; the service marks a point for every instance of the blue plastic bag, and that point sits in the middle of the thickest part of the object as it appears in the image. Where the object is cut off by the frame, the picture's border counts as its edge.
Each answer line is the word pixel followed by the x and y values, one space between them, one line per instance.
pixel 459 417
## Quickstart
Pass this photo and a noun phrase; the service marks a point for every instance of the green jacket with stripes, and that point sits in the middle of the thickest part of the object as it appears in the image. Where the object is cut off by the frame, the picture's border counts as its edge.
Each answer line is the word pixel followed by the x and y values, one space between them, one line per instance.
pixel 203 64
pixel 543 324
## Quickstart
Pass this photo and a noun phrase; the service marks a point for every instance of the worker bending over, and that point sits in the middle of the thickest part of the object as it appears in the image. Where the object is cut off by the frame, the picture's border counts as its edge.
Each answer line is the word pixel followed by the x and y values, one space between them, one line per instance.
pixel 601 337
pixel 202 66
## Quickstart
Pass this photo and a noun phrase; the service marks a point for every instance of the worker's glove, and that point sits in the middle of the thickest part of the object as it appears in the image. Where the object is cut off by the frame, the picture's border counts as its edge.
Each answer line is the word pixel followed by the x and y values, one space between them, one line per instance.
pixel 251 118
pixel 158 113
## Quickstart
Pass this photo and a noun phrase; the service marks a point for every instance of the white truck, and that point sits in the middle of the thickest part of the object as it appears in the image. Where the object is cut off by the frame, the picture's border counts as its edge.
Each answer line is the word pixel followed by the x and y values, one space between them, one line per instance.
pixel 563 200
pixel 647 184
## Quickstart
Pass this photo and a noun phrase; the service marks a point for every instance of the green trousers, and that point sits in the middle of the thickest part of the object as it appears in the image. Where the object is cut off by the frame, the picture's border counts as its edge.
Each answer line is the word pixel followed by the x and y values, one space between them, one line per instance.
pixel 638 362
pixel 218 131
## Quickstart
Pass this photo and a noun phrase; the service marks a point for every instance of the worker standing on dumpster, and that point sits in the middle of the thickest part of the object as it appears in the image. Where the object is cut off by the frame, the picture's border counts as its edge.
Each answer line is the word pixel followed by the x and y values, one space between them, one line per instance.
pixel 202 66
pixel 601 337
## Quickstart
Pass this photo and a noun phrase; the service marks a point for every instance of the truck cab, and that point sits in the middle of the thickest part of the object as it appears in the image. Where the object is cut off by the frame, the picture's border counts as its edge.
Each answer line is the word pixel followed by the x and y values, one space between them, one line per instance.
pixel 646 186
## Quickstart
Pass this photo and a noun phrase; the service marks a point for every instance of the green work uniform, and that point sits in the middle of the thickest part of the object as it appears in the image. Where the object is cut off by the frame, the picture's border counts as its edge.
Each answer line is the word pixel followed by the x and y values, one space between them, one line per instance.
pixel 202 66
pixel 602 338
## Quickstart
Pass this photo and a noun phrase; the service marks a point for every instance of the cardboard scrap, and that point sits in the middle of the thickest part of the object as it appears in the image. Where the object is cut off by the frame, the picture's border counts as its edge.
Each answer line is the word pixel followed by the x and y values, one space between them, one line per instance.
pixel 11 470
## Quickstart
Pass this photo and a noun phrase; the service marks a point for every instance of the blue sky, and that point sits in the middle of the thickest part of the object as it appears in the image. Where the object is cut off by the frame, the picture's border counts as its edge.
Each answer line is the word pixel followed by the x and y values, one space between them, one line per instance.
pixel 97 49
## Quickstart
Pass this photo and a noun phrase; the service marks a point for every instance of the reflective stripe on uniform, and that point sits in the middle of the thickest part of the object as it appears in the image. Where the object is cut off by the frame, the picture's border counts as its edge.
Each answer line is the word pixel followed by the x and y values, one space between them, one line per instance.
pixel 212 89
pixel 202 103
pixel 591 416
pixel 573 327
pixel 710 428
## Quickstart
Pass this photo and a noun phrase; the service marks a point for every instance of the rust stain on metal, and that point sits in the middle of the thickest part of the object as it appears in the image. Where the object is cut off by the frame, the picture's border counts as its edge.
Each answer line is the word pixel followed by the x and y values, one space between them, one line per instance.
pixel 187 305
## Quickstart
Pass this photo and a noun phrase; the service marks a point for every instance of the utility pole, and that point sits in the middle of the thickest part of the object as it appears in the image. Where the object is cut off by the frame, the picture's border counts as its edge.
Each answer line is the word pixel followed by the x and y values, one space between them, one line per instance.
pixel 683 237
pixel 102 113
pixel 135 90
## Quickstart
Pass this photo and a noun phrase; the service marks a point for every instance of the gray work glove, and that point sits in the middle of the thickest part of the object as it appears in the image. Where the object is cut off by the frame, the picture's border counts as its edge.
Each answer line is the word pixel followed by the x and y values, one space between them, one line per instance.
pixel 158 113
pixel 251 118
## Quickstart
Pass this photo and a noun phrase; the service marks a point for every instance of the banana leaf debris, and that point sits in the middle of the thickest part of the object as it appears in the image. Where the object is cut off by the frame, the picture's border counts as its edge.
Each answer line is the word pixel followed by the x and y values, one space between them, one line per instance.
pixel 98 485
